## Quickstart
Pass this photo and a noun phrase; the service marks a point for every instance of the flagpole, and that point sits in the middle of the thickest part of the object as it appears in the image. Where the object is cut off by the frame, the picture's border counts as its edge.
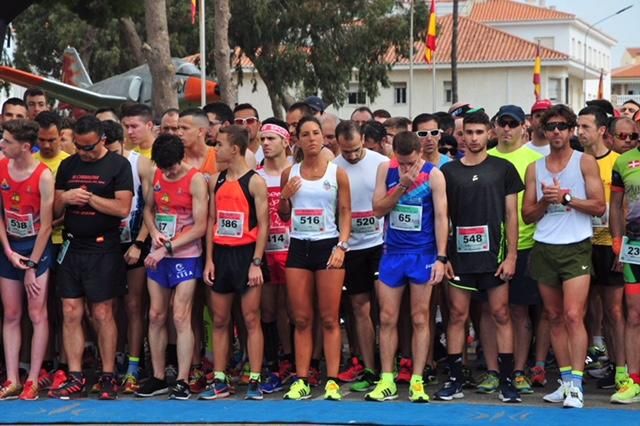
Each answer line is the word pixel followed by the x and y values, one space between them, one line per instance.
pixel 203 60
pixel 409 97
pixel 433 82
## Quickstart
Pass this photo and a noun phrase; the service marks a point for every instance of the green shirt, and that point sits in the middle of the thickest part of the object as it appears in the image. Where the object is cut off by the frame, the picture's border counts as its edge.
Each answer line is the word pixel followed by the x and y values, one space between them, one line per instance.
pixel 521 158
pixel 626 177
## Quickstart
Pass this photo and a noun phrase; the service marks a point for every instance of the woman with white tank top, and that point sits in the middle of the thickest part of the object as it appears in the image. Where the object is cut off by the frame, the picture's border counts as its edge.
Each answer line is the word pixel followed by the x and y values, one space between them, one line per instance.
pixel 315 196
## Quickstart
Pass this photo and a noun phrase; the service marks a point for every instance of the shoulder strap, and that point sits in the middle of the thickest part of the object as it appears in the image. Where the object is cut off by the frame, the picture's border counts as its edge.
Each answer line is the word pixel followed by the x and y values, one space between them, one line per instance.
pixel 244 184
pixel 222 178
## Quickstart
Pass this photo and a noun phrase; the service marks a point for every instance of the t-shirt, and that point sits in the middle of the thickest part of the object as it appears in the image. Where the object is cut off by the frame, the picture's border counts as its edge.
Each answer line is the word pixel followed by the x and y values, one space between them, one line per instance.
pixel 521 158
pixel 145 152
pixel 444 159
pixel 90 229
pixel 601 233
pixel 626 178
pixel 53 164
pixel 476 198
pixel 544 149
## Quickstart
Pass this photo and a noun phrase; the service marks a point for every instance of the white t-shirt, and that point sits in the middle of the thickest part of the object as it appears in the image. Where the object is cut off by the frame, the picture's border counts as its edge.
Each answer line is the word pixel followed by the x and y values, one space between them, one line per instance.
pixel 544 150
pixel 366 229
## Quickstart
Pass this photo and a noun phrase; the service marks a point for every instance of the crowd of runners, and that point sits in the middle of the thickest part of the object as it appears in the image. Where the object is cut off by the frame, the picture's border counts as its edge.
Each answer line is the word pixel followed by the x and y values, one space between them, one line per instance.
pixel 212 249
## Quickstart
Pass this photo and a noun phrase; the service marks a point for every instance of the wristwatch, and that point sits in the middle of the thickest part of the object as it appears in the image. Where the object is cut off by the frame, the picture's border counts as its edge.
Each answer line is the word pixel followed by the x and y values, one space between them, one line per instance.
pixel 443 259
pixel 343 245
pixel 31 264
pixel 566 199
pixel 256 261
pixel 169 247
pixel 139 244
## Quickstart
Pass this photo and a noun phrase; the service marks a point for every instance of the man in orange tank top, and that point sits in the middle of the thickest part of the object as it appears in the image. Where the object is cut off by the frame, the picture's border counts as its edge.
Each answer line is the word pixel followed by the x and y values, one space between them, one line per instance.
pixel 175 213
pixel 26 189
pixel 239 225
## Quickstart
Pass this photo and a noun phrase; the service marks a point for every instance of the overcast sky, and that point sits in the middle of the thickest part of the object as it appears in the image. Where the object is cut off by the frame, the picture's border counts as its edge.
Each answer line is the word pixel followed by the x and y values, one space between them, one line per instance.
pixel 623 27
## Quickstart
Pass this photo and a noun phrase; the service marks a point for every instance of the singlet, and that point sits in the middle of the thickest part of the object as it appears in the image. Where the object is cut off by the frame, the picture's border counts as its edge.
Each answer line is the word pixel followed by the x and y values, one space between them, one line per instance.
pixel 366 229
pixel 236 220
pixel 409 227
pixel 563 224
pixel 544 149
pixel 174 210
pixel 130 226
pixel 209 168
pixel 278 240
pixel 444 159
pixel 53 164
pixel 601 233
pixel 313 207
pixel 521 158
pixel 145 152
pixel 626 178
pixel 21 201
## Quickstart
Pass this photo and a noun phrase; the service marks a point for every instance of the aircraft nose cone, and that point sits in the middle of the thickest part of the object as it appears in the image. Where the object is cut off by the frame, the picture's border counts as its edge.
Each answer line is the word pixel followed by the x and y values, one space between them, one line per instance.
pixel 192 90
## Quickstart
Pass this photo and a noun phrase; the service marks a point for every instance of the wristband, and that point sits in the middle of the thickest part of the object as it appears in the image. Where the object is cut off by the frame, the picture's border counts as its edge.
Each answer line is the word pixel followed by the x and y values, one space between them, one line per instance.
pixel 139 244
pixel 404 188
pixel 617 245
pixel 169 247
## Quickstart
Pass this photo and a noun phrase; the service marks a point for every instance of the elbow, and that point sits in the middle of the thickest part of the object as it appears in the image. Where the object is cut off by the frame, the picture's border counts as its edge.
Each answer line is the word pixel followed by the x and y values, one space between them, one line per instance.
pixel 45 230
pixel 602 209
pixel 122 213
pixel 527 217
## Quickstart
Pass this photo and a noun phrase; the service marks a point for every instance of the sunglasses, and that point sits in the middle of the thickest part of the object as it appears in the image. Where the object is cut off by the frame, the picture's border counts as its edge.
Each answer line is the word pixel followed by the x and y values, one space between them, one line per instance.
pixel 626 109
pixel 426 133
pixel 550 127
pixel 624 136
pixel 87 148
pixel 245 121
pixel 448 150
pixel 512 124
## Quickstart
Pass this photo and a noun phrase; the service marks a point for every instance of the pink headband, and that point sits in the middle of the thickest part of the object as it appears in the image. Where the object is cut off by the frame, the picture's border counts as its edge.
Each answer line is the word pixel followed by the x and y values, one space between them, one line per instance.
pixel 273 128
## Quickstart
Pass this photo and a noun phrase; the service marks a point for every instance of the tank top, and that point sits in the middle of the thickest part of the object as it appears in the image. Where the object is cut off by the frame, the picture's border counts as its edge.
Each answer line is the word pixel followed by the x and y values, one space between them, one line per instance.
pixel 601 233
pixel 563 224
pixel 21 201
pixel 278 240
pixel 130 226
pixel 409 227
pixel 313 207
pixel 236 221
pixel 174 210
pixel 209 168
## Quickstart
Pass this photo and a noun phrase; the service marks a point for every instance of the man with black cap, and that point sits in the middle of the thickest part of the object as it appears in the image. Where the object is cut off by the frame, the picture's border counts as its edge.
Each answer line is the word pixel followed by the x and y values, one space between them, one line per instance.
pixel 316 104
pixel 538 142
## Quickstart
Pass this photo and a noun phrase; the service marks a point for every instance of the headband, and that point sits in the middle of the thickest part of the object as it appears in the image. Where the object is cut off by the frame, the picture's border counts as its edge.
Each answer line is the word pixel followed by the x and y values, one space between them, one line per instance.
pixel 274 128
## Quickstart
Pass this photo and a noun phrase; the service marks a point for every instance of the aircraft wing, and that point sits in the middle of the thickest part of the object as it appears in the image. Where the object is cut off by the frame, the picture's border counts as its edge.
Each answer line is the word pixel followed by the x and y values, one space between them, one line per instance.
pixel 76 96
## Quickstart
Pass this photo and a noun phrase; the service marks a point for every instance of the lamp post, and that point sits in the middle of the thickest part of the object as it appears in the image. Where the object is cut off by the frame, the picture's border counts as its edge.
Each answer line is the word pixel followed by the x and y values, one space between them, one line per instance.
pixel 586 34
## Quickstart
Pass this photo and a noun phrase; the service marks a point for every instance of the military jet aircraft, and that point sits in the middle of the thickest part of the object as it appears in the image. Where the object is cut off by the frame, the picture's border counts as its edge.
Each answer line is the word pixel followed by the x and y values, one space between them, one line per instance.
pixel 134 85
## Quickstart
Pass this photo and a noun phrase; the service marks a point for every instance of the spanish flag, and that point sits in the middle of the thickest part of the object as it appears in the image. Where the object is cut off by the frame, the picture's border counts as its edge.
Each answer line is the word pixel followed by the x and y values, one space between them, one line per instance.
pixel 601 85
pixel 194 11
pixel 431 34
pixel 537 69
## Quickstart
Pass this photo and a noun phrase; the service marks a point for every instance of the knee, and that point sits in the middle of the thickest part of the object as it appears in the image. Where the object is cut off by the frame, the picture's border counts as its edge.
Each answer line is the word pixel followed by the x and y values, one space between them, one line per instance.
pixel 457 317
pixel 134 307
pixel 614 315
pixel 361 308
pixel 574 316
pixel 501 314
pixel 420 320
pixel 329 322
pixel 72 313
pixel 302 322
pixel 252 320
pixel 554 316
pixel 182 319
pixel 388 319
pixel 268 314
pixel 221 322
pixel 103 313
pixel 38 316
pixel 12 314
pixel 157 317
pixel 633 316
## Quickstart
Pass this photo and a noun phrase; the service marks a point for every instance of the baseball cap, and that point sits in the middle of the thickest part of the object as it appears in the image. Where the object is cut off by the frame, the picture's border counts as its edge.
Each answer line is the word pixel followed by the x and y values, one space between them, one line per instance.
pixel 541 105
pixel 603 104
pixel 459 109
pixel 316 103
pixel 512 111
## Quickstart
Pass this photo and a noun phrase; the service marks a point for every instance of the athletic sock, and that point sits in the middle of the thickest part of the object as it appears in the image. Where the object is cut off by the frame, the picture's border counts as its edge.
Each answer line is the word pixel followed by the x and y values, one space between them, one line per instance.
pixel 598 341
pixel 270 332
pixel 386 377
pixel 254 376
pixel 505 362
pixel 576 378
pixel 540 364
pixel 315 363
pixel 415 378
pixel 134 366
pixel 455 366
pixel 172 355
pixel 565 374
pixel 219 375
pixel 635 377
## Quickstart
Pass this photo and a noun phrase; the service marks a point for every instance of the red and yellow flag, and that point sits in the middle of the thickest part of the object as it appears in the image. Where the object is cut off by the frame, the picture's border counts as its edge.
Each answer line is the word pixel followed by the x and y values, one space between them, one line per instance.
pixel 537 69
pixel 194 11
pixel 601 85
pixel 431 34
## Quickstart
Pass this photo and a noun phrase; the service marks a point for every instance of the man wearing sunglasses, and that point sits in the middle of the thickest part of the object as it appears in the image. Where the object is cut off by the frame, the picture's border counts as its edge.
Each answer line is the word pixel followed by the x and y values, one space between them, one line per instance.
pixel 94 189
pixel 625 134
pixel 629 108
pixel 563 191
pixel 425 126
pixel 246 115
pixel 538 141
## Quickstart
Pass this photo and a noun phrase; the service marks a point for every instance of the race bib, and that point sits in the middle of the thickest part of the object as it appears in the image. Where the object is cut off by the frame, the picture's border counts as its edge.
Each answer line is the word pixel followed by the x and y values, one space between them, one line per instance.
pixel 230 224
pixel 404 217
pixel 364 223
pixel 19 225
pixel 308 220
pixel 472 239
pixel 601 221
pixel 125 232
pixel 556 209
pixel 278 239
pixel 166 223
pixel 630 251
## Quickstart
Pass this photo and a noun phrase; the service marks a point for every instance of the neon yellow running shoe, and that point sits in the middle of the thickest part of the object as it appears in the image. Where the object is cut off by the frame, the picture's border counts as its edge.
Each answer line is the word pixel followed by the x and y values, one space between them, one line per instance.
pixel 628 393
pixel 417 393
pixel 332 391
pixel 298 391
pixel 384 391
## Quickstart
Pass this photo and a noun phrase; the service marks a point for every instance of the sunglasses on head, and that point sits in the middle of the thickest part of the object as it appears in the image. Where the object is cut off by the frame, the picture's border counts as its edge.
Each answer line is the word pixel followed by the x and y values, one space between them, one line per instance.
pixel 448 150
pixel 245 121
pixel 550 127
pixel 624 136
pixel 505 122
pixel 425 133
pixel 88 148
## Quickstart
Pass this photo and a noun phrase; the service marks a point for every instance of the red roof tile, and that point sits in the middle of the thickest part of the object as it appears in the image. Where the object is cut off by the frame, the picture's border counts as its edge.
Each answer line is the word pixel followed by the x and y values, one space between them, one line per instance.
pixel 507 10
pixel 634 51
pixel 628 71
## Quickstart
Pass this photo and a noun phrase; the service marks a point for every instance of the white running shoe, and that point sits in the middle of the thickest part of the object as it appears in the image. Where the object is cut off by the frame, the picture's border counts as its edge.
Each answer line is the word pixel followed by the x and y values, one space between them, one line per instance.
pixel 574 398
pixel 559 394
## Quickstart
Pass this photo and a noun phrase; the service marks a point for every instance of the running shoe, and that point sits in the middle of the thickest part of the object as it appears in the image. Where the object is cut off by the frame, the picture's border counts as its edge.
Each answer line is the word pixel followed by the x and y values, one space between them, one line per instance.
pixel 620 379
pixel 469 382
pixel 314 377
pixel 59 378
pixel 286 371
pixel 74 387
pixel 522 383
pixel 217 389
pixel 197 380
pixel 109 388
pixel 366 382
pixel 405 370
pixel 559 394
pixel 30 391
pixel 538 376
pixel 332 391
pixel 10 390
pixel 299 390
pixel 490 382
pixel 130 384
pixel 417 393
pixel 253 391
pixel 385 390
pixel 574 398
pixel 509 393
pixel 152 387
pixel 170 373
pixel 353 373
pixel 451 389
pixel 272 384
pixel 596 363
pixel 180 391
pixel 45 379
pixel 628 393
pixel 430 376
